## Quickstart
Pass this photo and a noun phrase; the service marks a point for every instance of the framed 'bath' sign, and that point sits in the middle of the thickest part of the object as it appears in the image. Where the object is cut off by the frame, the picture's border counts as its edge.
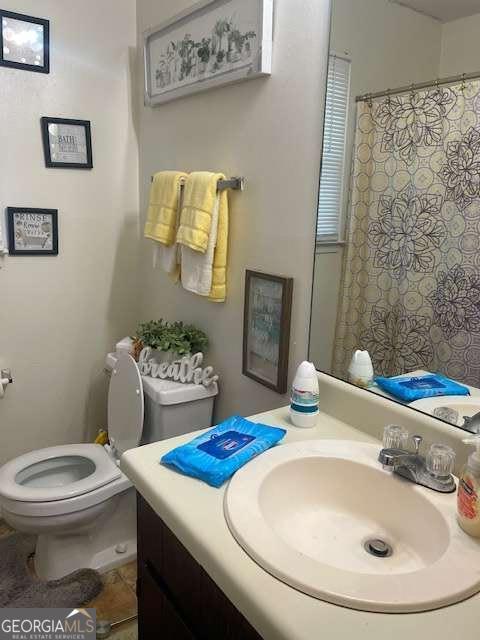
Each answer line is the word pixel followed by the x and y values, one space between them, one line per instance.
pixel 67 143
pixel 213 43
pixel 32 232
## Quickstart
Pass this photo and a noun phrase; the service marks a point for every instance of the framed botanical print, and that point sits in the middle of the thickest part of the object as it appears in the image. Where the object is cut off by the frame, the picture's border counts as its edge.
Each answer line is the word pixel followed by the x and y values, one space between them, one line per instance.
pixel 24 42
pixel 266 329
pixel 67 143
pixel 32 232
pixel 210 44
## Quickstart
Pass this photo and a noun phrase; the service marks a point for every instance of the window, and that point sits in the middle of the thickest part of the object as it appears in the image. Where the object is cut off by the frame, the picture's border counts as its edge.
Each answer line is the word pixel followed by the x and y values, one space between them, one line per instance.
pixel 333 157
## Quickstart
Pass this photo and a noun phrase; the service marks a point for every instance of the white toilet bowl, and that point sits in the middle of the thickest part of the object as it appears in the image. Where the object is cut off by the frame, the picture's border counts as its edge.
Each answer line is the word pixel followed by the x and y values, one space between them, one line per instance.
pixel 75 497
pixel 78 502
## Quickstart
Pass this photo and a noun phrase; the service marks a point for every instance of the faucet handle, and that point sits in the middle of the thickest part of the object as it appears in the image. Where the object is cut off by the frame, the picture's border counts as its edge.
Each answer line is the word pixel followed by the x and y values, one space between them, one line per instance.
pixel 440 460
pixel 417 441
pixel 395 437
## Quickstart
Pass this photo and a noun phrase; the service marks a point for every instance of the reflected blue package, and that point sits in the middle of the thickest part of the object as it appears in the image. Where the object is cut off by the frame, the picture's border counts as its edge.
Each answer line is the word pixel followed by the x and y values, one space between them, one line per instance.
pixel 215 455
pixel 428 385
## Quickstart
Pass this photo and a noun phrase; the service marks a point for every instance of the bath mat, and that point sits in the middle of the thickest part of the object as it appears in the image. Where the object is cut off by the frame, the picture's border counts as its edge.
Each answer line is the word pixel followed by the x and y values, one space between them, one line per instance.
pixel 18 588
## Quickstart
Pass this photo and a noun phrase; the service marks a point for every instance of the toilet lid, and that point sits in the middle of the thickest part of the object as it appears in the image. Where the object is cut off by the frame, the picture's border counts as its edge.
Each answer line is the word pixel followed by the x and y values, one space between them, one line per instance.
pixel 125 405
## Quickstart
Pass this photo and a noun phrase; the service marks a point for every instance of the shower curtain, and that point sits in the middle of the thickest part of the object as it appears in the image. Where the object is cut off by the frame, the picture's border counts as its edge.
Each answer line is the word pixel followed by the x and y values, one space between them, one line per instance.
pixel 410 290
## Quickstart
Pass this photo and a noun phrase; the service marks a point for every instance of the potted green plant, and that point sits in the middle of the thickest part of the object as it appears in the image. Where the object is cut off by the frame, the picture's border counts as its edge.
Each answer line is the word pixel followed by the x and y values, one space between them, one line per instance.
pixel 247 48
pixel 221 28
pixel 170 340
pixel 203 53
pixel 185 51
pixel 219 60
pixel 235 45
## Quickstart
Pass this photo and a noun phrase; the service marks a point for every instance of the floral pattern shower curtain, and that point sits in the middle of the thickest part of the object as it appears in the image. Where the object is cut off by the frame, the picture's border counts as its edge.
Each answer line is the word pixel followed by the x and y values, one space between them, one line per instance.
pixel 410 290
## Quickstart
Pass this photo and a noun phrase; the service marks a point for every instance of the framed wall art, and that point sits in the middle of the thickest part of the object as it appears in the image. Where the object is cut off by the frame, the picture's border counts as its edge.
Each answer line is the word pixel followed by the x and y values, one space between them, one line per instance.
pixel 213 43
pixel 67 143
pixel 32 232
pixel 24 42
pixel 266 329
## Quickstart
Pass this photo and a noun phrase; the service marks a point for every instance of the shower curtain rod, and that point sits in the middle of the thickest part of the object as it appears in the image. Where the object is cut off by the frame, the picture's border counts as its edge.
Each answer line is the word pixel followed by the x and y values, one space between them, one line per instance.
pixel 415 87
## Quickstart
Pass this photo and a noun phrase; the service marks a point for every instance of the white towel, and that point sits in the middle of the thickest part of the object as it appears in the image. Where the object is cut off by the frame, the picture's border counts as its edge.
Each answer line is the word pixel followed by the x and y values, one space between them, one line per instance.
pixel 197 267
pixel 165 258
pixel 168 258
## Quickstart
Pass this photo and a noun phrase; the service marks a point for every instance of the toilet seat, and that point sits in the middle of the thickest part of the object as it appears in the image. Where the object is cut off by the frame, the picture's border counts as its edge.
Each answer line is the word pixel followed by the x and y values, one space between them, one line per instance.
pixel 68 505
pixel 70 478
pixel 43 475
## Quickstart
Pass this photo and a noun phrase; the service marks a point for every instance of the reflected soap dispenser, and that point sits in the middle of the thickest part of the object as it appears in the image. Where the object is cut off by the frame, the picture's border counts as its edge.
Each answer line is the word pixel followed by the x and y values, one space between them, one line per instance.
pixel 360 370
pixel 305 395
pixel 468 496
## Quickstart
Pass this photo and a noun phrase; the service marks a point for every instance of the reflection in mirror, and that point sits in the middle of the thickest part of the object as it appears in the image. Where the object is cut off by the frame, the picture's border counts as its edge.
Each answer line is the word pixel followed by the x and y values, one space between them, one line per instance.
pixel 397 264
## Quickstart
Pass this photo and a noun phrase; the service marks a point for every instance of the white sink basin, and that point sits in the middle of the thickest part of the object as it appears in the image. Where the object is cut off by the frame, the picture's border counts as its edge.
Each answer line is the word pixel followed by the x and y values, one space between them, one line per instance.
pixel 304 512
pixel 465 405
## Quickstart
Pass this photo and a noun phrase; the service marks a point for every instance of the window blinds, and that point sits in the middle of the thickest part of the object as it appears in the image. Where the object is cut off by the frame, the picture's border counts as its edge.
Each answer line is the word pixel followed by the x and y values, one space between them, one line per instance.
pixel 333 156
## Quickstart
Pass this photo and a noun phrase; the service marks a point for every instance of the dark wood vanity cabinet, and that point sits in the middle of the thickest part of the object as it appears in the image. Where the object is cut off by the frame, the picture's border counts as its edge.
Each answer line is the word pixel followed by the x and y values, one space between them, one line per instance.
pixel 177 599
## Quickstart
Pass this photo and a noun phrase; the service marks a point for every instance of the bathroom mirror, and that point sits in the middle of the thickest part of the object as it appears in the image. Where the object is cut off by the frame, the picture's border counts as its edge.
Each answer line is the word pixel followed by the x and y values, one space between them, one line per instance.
pixel 397 260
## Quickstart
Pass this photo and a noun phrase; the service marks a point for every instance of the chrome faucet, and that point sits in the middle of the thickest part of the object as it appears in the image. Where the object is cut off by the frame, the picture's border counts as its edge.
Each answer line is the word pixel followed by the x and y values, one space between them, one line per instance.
pixel 433 472
pixel 472 423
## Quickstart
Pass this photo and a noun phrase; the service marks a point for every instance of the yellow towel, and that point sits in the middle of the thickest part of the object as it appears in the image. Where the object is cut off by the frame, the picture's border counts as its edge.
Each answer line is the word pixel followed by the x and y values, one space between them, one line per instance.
pixel 199 198
pixel 162 210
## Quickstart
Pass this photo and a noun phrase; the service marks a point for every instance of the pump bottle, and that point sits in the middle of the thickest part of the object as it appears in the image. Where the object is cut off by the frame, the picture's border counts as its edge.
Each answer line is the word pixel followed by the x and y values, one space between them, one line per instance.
pixel 468 497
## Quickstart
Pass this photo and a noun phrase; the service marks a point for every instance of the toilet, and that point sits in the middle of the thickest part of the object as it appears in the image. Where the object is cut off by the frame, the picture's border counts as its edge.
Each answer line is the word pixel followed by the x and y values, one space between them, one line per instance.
pixel 74 497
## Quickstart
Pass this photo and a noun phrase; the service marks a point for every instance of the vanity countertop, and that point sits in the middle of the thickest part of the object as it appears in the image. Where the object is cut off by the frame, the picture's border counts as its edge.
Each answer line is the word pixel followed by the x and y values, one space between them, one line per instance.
pixel 194 513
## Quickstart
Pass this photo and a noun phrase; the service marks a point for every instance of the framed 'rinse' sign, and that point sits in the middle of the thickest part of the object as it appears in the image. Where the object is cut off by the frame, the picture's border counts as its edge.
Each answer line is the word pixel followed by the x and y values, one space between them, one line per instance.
pixel 67 143
pixel 24 42
pixel 32 232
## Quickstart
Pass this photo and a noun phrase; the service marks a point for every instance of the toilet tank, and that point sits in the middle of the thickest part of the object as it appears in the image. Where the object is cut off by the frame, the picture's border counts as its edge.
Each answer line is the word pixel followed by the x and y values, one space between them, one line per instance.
pixel 172 408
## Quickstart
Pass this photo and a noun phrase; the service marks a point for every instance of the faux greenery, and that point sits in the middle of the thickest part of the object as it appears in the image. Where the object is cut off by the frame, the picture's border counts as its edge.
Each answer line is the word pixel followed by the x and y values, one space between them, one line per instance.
pixel 172 336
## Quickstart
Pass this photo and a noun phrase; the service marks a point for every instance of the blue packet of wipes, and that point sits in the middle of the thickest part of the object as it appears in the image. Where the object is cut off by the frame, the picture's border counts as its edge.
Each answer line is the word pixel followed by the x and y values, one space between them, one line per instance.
pixel 215 455
pixel 429 385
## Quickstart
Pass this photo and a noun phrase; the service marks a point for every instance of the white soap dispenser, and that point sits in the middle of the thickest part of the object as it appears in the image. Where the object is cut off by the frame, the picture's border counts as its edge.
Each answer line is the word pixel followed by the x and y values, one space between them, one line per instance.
pixel 361 369
pixel 468 496
pixel 304 399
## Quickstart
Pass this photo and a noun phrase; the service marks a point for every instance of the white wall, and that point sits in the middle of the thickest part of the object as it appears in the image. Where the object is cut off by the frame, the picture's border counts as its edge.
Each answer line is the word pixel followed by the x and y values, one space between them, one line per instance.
pixel 59 315
pixel 327 275
pixel 389 46
pixel 460 46
pixel 268 130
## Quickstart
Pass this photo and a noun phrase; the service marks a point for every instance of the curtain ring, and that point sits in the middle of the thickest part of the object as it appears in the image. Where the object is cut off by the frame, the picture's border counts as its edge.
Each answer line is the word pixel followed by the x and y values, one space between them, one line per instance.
pixel 368 99
pixel 388 99
pixel 412 90
pixel 463 85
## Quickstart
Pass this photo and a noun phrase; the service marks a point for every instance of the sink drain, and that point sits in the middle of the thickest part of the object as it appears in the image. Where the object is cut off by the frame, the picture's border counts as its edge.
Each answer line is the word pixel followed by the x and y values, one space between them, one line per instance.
pixel 378 548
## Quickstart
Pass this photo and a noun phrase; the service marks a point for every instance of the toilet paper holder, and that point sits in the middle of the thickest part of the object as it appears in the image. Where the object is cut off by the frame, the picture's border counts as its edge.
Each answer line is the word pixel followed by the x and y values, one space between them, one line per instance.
pixel 5 379
pixel 6 374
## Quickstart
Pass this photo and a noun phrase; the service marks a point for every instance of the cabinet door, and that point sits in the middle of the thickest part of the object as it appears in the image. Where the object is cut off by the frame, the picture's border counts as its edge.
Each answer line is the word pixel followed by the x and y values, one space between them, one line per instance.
pixel 157 619
pixel 198 600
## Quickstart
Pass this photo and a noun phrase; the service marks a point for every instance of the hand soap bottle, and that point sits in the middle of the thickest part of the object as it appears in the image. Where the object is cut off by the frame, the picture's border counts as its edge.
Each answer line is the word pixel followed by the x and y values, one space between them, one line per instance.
pixel 304 400
pixel 468 497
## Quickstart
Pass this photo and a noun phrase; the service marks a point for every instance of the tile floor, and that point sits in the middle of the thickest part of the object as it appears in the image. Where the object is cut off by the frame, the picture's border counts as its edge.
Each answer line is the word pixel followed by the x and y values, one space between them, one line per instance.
pixel 116 602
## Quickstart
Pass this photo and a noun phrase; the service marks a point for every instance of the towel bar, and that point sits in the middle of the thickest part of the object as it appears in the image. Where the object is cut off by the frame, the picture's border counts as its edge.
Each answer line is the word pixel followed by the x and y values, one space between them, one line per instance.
pixel 232 183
